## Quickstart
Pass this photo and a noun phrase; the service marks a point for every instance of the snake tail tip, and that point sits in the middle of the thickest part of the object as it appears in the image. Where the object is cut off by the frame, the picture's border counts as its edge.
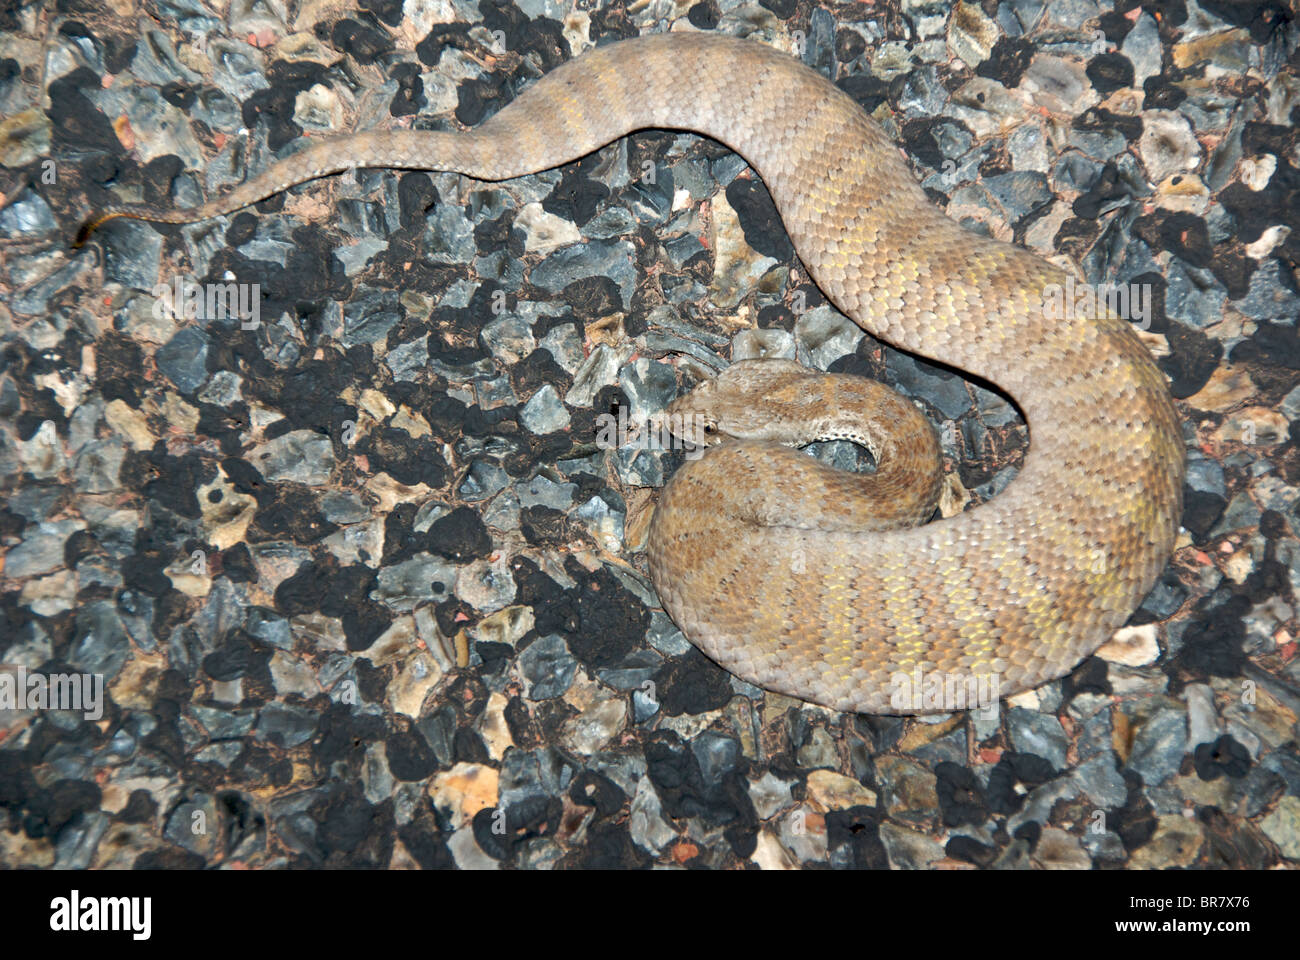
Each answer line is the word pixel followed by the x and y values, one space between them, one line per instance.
pixel 86 229
pixel 93 224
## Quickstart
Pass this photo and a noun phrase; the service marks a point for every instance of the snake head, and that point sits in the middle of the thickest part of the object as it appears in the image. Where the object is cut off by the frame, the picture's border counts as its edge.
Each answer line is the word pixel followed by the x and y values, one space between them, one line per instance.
pixel 689 420
pixel 739 404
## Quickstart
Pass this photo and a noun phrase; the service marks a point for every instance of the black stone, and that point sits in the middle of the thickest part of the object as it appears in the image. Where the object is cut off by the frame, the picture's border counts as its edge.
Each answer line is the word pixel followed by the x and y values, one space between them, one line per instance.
pixel 704 15
pixel 1224 757
pixel 460 536
pixel 692 684
pixel 1110 72
pixel 759 220
pixel 409 756
pixel 1008 61
pixel 961 799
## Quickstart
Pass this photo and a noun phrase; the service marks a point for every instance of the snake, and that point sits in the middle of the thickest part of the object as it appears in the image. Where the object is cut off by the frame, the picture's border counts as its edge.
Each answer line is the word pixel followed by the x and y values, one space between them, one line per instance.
pixel 780 568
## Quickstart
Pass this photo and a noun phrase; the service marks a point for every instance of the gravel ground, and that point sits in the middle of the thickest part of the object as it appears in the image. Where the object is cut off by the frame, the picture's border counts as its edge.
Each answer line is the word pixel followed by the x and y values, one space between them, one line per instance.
pixel 362 587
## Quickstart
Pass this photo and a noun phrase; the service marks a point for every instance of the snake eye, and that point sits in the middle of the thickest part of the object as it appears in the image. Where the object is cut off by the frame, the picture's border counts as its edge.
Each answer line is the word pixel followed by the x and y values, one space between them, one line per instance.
pixel 710 429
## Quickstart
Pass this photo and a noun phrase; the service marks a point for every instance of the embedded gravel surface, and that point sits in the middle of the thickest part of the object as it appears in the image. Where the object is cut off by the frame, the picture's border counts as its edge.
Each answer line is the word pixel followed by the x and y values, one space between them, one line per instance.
pixel 322 492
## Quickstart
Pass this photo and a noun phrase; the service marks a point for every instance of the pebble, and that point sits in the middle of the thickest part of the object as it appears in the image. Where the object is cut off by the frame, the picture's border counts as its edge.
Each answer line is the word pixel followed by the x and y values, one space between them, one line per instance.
pixel 42 548
pixel 1059 84
pixel 757 343
pixel 737 266
pixel 1194 295
pixel 605 523
pixel 818 749
pixel 972 34
pixel 544 413
pixel 1268 298
pixel 908 789
pixel 1167 144
pixel 483 481
pixel 545 231
pixel 1142 48
pixel 1282 826
pixel 1098 780
pixel 803 835
pixel 547 667
pixel 1202 718
pixel 600 369
pixel 909 850
pixel 1039 734
pixel 646 825
pixel 612 259
pixel 649 386
pixel 1176 843
pixel 946 391
pixel 486 584
pixel 823 335
pixel 1132 646
pixel 1159 745
pixel 184 359
pixel 1058 850
pixel 834 791
pixel 463 791
pixel 29 214
pixel 301 456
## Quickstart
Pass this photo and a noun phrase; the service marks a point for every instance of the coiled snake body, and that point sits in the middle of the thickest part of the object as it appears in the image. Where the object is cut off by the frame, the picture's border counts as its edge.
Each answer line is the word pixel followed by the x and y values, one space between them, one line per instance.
pixel 771 566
